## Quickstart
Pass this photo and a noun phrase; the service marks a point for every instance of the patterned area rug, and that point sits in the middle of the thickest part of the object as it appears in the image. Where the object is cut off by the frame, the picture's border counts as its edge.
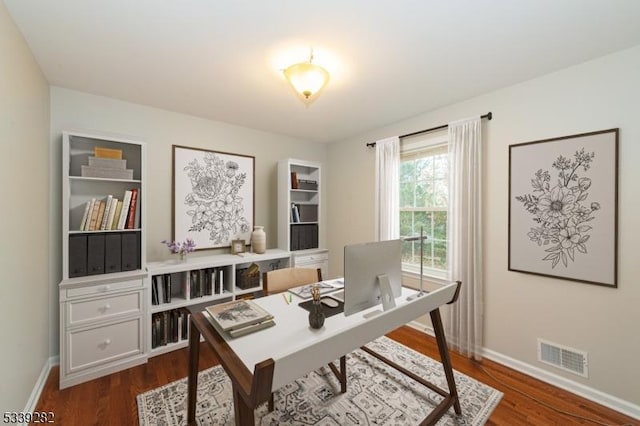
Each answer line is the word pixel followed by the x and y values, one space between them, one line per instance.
pixel 376 395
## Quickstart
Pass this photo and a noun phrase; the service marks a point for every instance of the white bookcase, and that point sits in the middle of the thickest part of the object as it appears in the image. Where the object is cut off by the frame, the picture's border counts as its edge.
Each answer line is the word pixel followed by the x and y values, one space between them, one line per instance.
pixel 102 292
pixel 189 279
pixel 300 222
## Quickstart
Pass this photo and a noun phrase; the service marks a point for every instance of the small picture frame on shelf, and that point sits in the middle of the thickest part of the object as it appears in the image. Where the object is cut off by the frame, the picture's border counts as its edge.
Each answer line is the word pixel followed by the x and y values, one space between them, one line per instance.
pixel 237 246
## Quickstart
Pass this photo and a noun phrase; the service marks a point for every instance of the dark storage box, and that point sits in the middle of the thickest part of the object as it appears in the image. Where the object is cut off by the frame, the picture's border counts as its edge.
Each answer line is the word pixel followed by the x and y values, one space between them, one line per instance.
pixel 308 212
pixel 309 185
pixel 244 280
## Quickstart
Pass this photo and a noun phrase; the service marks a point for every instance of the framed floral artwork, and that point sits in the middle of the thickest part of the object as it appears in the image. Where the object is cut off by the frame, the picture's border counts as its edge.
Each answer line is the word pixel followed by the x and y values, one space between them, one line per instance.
pixel 213 196
pixel 563 196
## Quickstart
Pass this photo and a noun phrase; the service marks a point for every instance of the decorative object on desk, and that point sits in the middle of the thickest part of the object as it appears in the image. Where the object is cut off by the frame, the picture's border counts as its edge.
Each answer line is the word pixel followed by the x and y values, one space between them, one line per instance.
pixel 563 207
pixel 184 248
pixel 237 314
pixel 368 383
pixel 316 315
pixel 213 196
pixel 258 240
pixel 237 246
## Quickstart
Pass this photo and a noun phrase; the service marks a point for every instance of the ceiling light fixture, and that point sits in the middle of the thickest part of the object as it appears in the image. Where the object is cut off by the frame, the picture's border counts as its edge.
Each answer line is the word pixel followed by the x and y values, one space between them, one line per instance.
pixel 307 79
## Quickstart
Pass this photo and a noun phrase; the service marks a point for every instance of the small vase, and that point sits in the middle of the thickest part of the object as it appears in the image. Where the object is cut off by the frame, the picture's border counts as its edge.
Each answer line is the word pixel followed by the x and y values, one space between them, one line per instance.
pixel 316 315
pixel 183 256
pixel 258 240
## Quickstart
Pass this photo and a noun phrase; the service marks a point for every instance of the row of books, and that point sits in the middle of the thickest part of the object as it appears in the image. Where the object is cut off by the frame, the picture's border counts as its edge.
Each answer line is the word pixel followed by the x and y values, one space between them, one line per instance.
pixel 195 283
pixel 169 327
pixel 205 282
pixel 239 317
pixel 112 213
pixel 161 289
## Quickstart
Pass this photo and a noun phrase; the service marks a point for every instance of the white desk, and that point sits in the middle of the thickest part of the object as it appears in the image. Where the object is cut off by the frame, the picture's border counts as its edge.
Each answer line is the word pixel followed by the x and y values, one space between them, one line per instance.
pixel 280 354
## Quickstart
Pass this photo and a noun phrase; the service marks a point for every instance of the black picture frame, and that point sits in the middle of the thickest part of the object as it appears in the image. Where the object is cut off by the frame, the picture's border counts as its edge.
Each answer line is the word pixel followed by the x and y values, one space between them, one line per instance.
pixel 213 196
pixel 563 207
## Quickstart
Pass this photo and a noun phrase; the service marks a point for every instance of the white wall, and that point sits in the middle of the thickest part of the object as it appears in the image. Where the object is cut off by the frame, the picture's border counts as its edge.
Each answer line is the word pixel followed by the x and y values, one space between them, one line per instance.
pixel 24 261
pixel 161 129
pixel 520 308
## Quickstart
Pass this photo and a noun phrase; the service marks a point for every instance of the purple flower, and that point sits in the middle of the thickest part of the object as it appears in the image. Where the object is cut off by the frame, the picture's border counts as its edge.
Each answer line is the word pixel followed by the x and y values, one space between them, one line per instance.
pixel 183 248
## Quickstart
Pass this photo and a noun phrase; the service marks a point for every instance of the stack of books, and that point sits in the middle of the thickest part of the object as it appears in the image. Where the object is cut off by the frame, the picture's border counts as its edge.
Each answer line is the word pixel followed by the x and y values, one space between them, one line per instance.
pixel 239 317
pixel 107 163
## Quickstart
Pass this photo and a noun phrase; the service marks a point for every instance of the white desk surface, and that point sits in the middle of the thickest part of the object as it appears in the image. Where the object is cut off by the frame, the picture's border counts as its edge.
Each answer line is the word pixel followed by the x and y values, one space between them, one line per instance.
pixel 297 349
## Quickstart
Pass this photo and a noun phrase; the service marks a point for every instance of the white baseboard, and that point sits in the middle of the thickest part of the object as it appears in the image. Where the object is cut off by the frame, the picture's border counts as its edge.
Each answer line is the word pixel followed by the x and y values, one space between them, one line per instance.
pixel 39 386
pixel 610 401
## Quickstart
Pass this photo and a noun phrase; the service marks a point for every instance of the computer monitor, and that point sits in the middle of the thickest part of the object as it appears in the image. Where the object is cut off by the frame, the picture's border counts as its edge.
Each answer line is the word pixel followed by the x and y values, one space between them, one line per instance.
pixel 372 274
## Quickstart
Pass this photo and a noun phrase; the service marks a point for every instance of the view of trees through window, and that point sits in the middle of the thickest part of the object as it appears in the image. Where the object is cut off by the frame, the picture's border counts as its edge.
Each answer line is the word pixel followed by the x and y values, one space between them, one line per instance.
pixel 424 182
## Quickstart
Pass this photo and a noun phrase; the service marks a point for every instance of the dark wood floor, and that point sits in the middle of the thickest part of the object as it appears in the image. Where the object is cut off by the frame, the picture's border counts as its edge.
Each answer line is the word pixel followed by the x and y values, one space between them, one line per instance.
pixel 111 400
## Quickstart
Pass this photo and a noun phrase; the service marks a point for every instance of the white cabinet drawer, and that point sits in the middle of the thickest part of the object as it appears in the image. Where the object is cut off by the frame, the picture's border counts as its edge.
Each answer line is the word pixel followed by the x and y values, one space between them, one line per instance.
pixel 79 312
pixel 99 345
pixel 103 288
pixel 311 258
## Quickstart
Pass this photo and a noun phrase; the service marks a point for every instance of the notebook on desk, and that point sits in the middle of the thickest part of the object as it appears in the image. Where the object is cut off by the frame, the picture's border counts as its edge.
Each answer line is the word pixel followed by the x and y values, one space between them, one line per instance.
pixel 304 292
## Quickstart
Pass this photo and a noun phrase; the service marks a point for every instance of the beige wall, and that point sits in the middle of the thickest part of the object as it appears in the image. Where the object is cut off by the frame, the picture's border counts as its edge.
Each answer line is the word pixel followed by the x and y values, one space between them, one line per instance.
pixel 520 308
pixel 161 129
pixel 24 260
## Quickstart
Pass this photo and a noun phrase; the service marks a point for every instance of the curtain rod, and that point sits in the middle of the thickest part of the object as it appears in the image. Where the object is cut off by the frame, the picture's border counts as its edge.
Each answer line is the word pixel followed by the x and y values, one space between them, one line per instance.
pixel 488 116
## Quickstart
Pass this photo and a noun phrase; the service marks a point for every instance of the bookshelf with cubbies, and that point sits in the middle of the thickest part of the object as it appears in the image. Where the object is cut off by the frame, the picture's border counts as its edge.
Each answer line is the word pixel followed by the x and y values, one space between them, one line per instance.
pixel 101 295
pixel 300 222
pixel 178 286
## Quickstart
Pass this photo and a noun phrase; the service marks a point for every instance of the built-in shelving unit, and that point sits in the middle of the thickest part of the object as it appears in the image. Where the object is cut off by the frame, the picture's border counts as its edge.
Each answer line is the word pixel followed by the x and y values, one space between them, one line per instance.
pixel 300 214
pixel 177 285
pixel 102 309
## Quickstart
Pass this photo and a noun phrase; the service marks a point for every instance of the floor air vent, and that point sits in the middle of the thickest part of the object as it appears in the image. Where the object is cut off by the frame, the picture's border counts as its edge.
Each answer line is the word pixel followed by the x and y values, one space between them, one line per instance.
pixel 563 357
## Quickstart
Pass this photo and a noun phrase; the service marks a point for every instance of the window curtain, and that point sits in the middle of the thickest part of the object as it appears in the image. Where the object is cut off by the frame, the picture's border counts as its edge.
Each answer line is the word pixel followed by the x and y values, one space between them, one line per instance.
pixel 464 325
pixel 387 189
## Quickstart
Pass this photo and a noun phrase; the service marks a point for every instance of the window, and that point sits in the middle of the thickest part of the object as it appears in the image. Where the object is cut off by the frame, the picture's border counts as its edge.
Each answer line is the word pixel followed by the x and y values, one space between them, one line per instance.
pixel 424 197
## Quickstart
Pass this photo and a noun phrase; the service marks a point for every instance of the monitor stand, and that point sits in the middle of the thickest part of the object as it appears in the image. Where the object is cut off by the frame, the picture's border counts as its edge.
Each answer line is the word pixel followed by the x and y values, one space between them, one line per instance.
pixel 386 294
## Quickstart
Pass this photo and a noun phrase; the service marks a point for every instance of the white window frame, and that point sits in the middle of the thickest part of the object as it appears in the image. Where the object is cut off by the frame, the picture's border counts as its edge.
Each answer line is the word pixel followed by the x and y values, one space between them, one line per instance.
pixel 418 143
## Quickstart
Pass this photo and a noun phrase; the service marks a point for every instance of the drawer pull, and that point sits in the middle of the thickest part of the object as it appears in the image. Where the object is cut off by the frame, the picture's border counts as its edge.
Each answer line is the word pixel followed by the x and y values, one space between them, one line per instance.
pixel 103 345
pixel 106 307
pixel 105 288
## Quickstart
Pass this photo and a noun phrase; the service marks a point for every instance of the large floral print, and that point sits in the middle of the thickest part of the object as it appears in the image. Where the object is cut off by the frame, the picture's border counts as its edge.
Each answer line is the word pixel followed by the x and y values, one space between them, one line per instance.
pixel 561 209
pixel 213 196
pixel 563 196
pixel 214 203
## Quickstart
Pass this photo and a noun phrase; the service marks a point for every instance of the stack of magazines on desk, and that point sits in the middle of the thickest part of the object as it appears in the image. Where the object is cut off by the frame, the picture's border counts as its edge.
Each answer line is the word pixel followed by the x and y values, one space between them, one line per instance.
pixel 239 317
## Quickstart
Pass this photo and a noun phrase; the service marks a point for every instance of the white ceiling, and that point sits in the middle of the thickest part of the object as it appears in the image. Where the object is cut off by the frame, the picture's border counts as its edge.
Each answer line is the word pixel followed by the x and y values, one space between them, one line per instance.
pixel 389 60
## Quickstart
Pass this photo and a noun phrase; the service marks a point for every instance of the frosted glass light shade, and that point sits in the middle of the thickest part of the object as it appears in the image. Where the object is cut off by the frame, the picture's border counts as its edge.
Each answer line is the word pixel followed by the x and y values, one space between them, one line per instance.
pixel 307 79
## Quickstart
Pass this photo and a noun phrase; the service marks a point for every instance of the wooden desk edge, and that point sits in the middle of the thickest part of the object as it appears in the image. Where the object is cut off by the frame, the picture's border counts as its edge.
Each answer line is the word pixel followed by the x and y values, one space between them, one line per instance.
pixel 253 388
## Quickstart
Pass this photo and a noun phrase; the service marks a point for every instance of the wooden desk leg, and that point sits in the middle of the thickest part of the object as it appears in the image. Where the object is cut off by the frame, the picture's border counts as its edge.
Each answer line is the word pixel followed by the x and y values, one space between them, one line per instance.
pixel 436 321
pixel 192 380
pixel 343 374
pixel 243 413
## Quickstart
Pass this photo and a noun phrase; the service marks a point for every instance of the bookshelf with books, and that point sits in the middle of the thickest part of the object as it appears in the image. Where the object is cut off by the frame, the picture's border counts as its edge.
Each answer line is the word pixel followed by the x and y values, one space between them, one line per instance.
pixel 176 286
pixel 300 222
pixel 102 290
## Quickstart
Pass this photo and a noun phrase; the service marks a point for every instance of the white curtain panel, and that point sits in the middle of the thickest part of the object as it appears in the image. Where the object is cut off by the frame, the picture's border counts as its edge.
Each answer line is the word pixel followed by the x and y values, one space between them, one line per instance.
pixel 464 325
pixel 387 189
